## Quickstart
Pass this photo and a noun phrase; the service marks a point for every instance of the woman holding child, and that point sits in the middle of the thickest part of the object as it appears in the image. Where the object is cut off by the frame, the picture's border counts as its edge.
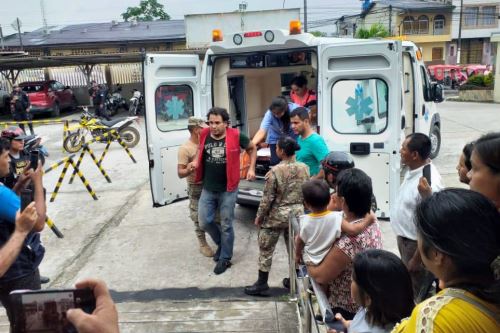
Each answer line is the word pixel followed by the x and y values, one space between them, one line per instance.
pixel 282 196
pixel 354 190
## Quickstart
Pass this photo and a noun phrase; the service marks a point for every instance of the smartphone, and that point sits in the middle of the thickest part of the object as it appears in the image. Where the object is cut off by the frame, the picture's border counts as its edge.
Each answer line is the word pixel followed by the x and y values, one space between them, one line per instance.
pixel 427 173
pixel 34 159
pixel 26 198
pixel 45 310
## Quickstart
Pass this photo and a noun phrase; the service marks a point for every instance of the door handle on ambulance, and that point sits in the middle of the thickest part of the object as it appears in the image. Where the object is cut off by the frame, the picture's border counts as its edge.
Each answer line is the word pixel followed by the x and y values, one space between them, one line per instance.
pixel 360 148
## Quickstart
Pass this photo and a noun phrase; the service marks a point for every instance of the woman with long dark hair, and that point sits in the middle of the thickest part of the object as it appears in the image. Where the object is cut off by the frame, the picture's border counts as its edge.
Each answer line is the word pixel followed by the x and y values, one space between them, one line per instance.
pixel 459 242
pixel 381 286
pixel 276 123
pixel 485 173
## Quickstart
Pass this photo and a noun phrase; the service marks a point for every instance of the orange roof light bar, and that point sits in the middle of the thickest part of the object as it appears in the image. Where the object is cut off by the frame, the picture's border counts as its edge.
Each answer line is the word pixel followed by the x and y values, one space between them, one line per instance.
pixel 216 35
pixel 295 27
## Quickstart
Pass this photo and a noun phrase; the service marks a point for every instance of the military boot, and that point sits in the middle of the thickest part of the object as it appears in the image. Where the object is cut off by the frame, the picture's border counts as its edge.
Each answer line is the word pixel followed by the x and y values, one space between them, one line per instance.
pixel 205 249
pixel 259 288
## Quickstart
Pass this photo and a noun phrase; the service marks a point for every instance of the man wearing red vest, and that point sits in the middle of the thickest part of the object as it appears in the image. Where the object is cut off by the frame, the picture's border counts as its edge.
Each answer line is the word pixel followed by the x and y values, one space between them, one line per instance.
pixel 218 167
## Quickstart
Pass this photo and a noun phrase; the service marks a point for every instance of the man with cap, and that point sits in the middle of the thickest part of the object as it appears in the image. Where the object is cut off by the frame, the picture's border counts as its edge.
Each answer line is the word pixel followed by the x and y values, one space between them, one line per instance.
pixel 20 107
pixel 186 160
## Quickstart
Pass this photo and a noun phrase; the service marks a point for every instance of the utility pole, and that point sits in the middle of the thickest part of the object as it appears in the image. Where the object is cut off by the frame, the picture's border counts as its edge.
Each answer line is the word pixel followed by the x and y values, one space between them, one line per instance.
pixel 19 33
pixel 1 38
pixel 242 8
pixel 390 20
pixel 459 47
pixel 44 17
pixel 305 15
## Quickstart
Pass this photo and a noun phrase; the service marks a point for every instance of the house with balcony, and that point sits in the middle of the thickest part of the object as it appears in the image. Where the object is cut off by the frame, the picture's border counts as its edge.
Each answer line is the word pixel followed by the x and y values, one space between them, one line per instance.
pixel 480 18
pixel 426 23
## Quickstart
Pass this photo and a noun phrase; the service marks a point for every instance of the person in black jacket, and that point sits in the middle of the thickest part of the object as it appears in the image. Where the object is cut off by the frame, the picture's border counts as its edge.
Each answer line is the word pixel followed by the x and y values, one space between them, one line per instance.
pixel 98 94
pixel 20 107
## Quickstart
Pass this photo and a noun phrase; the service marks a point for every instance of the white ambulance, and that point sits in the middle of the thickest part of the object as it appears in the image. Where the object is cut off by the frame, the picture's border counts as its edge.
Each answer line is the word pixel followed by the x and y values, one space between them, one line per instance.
pixel 370 93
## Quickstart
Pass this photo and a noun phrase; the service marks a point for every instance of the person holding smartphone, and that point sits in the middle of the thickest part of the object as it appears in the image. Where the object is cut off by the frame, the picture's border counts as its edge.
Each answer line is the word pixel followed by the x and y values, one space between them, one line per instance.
pixel 21 251
pixel 420 180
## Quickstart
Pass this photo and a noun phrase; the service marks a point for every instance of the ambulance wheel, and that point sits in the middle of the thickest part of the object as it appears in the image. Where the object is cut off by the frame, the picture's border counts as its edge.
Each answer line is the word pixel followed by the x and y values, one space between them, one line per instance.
pixel 435 136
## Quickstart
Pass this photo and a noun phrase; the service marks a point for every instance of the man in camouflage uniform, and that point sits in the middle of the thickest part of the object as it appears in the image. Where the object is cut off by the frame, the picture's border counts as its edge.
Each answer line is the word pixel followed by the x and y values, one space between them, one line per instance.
pixel 186 166
pixel 282 196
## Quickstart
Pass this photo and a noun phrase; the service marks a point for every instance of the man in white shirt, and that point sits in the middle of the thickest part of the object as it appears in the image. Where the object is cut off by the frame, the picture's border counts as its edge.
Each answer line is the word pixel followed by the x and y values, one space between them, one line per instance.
pixel 415 153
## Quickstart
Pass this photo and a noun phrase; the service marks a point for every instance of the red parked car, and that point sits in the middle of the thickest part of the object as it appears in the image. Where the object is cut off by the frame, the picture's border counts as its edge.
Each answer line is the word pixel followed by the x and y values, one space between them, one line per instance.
pixel 49 96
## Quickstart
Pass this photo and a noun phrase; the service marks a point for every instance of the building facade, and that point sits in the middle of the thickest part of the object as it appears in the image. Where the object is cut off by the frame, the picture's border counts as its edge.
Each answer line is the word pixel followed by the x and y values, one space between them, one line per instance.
pixel 479 21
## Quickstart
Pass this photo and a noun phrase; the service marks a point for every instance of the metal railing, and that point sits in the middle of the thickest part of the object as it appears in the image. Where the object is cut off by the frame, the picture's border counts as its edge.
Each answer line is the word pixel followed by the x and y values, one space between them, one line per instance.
pixel 302 288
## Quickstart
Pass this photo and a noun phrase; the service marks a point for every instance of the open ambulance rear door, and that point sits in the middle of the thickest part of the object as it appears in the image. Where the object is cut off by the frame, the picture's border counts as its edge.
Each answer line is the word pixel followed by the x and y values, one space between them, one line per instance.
pixel 172 95
pixel 360 83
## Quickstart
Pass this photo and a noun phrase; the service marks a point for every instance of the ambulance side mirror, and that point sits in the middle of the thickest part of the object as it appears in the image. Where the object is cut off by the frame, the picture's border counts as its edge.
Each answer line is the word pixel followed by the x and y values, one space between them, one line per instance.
pixel 436 92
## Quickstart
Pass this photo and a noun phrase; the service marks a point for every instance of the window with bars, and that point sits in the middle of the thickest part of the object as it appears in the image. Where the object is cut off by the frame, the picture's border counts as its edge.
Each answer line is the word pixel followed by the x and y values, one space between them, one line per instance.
pixel 423 25
pixel 439 22
pixel 488 15
pixel 408 25
pixel 471 16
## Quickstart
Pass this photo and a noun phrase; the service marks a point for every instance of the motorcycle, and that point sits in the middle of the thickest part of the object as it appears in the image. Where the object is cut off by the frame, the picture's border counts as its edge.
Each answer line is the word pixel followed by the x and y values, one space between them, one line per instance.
pixel 97 127
pixel 117 101
pixel 34 142
pixel 136 104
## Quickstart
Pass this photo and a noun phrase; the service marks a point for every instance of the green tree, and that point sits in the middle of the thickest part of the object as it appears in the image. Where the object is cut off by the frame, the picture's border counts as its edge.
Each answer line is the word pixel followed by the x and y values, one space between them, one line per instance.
pixel 148 10
pixel 376 31
pixel 318 33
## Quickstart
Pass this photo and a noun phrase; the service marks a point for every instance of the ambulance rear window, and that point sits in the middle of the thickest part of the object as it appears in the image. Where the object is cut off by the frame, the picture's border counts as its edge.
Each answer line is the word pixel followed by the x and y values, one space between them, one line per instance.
pixel 360 106
pixel 173 105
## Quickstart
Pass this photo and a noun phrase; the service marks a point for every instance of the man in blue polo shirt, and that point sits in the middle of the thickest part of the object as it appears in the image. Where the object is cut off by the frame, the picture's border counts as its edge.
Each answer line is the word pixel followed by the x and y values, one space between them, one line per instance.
pixel 20 248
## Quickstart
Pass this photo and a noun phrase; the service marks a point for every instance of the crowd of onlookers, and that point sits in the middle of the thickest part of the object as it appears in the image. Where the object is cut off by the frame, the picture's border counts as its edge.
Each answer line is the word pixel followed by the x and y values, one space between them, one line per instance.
pixel 446 279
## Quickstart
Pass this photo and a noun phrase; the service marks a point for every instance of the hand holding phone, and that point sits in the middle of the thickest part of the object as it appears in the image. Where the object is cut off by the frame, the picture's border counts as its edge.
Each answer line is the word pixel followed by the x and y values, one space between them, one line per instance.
pixel 26 198
pixel 426 173
pixel 34 159
pixel 46 310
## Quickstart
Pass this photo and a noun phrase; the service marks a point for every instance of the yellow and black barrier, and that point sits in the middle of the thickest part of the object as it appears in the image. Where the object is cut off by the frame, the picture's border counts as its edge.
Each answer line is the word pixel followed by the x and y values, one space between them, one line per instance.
pixel 113 134
pixel 67 161
pixel 98 163
pixel 42 122
pixel 120 141
pixel 53 227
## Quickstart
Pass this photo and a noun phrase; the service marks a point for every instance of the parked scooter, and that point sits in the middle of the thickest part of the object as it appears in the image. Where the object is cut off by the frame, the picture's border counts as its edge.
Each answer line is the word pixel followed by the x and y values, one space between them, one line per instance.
pixel 136 106
pixel 117 100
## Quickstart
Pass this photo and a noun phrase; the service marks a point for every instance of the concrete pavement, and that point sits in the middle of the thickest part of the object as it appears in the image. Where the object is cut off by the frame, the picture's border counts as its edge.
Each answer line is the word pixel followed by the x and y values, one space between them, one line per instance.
pixel 149 256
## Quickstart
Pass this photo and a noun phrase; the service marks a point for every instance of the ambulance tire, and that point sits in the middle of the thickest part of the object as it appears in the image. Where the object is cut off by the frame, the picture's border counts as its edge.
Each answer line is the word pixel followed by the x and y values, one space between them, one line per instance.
pixel 435 136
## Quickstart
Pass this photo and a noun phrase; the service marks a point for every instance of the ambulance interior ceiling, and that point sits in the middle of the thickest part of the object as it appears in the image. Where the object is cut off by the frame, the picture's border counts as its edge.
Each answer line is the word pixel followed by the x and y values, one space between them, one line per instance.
pixel 261 85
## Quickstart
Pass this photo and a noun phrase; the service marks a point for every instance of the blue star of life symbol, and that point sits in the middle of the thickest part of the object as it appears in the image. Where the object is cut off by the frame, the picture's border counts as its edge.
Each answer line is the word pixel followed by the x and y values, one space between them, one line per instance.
pixel 175 107
pixel 359 106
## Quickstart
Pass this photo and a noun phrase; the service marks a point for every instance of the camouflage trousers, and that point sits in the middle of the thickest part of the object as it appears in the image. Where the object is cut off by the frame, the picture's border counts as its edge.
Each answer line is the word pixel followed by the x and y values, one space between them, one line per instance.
pixel 268 238
pixel 194 193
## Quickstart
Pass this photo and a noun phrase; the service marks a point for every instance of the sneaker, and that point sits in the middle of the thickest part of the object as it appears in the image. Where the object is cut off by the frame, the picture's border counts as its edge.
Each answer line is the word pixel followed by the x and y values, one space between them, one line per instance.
pixel 44 279
pixel 221 266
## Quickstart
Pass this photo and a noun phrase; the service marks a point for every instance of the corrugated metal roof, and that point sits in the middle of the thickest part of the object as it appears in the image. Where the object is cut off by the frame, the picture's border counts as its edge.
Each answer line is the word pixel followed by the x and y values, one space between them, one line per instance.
pixel 117 32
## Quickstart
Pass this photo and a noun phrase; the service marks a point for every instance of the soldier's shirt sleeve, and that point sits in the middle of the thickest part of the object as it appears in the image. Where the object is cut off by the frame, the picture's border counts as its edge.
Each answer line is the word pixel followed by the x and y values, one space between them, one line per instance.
pixel 182 156
pixel 268 196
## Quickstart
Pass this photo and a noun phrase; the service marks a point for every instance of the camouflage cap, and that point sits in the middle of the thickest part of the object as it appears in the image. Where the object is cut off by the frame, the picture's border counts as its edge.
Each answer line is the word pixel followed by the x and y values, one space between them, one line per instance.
pixel 197 121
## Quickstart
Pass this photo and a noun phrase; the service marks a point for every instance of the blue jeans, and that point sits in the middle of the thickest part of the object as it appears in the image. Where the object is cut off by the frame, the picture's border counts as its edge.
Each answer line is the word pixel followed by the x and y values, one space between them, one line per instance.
pixel 223 234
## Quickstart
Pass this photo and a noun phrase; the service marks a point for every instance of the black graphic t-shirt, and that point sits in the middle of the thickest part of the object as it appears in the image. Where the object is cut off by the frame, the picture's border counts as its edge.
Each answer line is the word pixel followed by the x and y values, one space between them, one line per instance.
pixel 214 160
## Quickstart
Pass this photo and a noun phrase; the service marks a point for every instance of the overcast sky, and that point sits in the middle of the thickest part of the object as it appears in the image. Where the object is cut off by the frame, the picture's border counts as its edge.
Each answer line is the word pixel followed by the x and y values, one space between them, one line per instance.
pixel 63 12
